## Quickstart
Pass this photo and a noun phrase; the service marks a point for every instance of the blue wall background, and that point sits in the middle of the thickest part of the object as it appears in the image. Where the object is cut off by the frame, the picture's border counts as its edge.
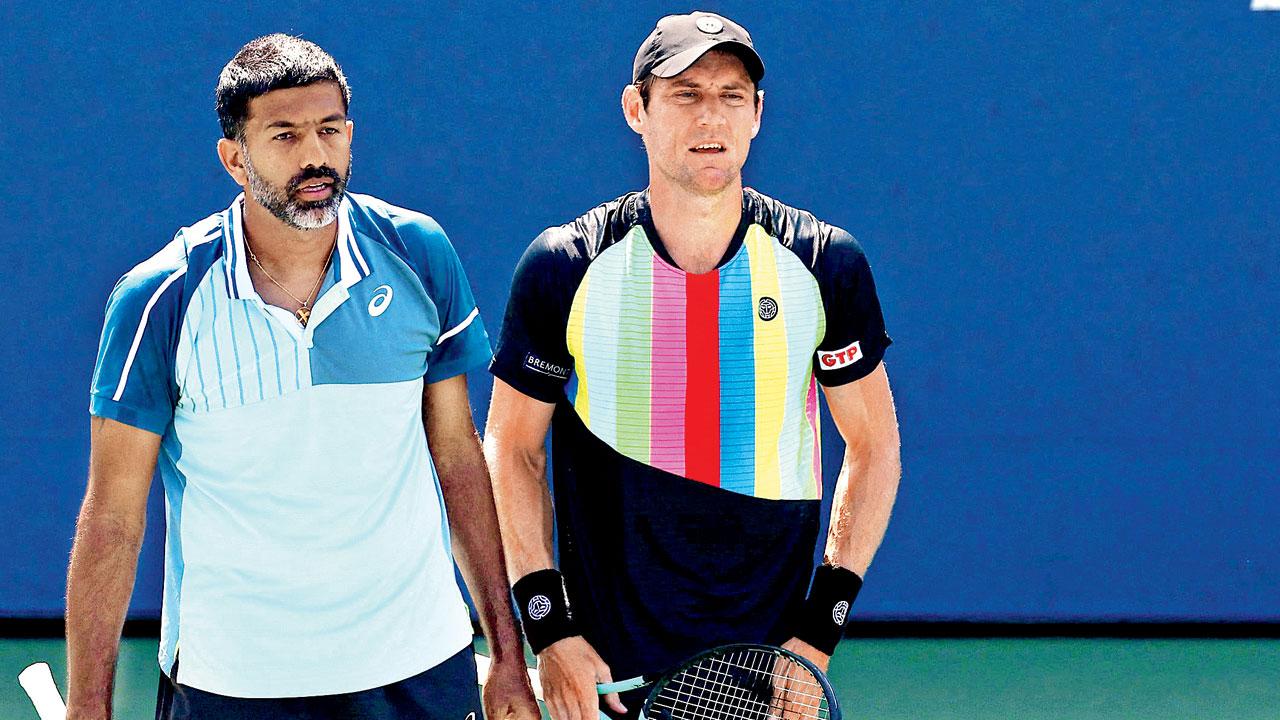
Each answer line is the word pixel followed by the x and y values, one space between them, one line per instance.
pixel 1071 211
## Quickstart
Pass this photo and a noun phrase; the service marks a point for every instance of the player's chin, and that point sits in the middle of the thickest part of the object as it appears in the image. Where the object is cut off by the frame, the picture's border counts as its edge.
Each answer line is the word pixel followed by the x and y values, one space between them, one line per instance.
pixel 713 181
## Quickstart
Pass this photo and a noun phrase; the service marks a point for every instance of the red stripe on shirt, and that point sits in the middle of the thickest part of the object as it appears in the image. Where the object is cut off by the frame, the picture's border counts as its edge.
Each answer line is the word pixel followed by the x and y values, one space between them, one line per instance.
pixel 702 388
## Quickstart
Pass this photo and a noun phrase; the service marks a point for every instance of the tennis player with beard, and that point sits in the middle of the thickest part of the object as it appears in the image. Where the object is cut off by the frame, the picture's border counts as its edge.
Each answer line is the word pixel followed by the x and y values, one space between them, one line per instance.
pixel 295 367
pixel 674 340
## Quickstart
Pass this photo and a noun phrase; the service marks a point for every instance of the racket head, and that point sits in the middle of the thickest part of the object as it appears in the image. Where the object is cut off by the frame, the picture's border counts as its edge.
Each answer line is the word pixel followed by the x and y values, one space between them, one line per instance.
pixel 743 681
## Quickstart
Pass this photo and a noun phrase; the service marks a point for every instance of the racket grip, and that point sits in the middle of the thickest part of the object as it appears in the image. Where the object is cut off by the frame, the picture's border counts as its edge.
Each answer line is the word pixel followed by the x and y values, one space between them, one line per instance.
pixel 621 685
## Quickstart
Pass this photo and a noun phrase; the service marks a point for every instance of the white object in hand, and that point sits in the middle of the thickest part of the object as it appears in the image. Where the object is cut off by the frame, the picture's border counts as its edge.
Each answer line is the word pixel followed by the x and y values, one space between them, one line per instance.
pixel 37 680
pixel 482 674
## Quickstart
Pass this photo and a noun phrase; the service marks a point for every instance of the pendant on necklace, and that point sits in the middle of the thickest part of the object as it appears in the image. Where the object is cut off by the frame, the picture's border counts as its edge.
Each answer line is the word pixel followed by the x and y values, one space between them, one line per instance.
pixel 304 314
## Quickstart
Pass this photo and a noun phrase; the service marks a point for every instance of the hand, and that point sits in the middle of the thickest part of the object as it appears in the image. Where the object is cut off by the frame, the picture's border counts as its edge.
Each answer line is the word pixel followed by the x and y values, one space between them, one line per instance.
pixel 799 705
pixel 507 694
pixel 570 669
pixel 808 652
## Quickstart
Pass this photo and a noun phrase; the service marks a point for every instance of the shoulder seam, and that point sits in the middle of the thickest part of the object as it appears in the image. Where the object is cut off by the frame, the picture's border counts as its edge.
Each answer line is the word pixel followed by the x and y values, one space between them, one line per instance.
pixel 142 326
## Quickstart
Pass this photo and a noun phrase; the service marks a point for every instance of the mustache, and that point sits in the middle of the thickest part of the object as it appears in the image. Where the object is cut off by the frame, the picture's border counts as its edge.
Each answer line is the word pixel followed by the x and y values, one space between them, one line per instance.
pixel 315 173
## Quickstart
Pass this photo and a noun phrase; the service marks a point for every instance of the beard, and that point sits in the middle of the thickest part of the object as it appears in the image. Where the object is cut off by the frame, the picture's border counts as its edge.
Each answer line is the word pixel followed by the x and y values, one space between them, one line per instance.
pixel 299 214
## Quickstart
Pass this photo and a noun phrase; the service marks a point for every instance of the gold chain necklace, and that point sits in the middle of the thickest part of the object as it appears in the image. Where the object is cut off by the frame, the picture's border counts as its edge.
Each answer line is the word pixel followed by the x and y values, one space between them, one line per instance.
pixel 303 313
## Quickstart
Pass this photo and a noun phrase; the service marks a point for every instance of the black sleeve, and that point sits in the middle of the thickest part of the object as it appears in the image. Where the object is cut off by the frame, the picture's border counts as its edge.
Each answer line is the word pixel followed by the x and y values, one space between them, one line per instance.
pixel 855 338
pixel 532 355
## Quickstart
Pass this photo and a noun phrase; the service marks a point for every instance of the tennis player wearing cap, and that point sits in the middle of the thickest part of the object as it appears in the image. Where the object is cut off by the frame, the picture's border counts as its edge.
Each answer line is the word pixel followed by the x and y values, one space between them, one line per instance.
pixel 675 338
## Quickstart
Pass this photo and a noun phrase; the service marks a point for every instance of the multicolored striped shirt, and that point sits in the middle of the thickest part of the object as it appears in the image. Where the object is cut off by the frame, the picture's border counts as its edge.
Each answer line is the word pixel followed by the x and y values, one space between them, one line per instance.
pixel 686 439
pixel 704 376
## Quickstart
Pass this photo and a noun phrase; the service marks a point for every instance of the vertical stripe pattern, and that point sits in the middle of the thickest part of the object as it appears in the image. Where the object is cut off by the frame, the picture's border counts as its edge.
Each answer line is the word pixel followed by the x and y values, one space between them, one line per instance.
pixel 707 376
pixel 772 388
pixel 234 353
pixel 635 347
pixel 737 382
pixel 666 413
pixel 702 382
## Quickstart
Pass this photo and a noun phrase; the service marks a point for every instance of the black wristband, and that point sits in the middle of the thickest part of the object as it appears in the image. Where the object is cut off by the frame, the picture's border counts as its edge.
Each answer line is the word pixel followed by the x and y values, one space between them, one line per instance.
pixel 825 611
pixel 544 605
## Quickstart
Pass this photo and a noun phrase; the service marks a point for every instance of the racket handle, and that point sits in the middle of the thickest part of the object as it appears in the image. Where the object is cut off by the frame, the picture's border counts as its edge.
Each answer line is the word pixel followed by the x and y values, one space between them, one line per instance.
pixel 37 680
pixel 621 685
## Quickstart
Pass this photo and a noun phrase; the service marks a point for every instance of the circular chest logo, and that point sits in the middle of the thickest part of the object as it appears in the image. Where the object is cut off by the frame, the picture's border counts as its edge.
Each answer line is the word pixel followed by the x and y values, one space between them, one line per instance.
pixel 840 612
pixel 768 308
pixel 539 607
pixel 710 25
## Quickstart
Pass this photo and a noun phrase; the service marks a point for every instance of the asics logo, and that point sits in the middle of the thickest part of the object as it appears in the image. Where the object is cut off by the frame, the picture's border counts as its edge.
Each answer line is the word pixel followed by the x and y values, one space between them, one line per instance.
pixel 381 299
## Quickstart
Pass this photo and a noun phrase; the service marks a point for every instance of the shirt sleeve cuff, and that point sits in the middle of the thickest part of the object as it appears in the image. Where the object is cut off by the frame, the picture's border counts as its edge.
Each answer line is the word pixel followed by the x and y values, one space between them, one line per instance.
pixel 462 353
pixel 547 390
pixel 153 421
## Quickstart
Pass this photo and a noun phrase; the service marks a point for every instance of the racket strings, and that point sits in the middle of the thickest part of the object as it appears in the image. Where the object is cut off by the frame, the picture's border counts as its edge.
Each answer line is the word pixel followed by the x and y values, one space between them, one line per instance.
pixel 743 685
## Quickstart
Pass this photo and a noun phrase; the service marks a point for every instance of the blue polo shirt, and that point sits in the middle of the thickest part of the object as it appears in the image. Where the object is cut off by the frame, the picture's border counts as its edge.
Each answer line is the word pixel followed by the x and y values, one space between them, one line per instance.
pixel 307 550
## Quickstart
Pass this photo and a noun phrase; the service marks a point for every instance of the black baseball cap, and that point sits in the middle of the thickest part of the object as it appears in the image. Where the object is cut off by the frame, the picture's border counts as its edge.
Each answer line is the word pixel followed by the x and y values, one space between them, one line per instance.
pixel 679 40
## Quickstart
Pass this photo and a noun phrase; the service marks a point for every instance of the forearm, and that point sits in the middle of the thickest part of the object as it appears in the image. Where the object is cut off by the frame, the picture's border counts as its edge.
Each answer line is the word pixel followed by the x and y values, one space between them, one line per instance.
pixel 524 505
pixel 104 560
pixel 862 504
pixel 473 525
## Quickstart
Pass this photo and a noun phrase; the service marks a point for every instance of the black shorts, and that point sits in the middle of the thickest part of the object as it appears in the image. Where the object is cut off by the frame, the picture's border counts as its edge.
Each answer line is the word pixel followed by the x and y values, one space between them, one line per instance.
pixel 447 691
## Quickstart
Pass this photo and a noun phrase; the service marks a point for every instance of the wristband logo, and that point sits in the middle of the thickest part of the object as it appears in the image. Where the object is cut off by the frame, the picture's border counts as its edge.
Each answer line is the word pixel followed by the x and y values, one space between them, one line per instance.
pixel 840 612
pixel 539 607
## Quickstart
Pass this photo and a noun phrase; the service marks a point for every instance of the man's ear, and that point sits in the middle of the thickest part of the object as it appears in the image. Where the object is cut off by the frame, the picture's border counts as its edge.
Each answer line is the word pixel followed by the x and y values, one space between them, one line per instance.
pixel 633 108
pixel 755 128
pixel 231 154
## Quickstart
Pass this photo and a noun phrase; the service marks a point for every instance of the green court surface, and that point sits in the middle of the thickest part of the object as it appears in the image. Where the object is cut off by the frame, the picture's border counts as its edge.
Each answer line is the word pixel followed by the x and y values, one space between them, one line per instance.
pixel 1027 679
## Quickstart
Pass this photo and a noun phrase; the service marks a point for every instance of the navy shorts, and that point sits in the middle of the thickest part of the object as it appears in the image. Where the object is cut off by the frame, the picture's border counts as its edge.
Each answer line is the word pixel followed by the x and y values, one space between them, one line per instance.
pixel 447 691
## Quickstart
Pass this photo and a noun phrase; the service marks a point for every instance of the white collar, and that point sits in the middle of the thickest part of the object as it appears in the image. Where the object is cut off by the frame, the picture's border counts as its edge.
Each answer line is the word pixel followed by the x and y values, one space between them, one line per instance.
pixel 351 266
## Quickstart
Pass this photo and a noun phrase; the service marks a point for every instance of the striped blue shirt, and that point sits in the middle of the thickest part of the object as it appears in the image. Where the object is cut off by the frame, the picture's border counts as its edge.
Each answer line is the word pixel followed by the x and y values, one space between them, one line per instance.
pixel 307 550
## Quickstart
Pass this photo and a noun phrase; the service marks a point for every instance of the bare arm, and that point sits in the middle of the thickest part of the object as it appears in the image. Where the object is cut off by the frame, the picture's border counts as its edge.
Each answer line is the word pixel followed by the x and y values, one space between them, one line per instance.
pixel 514 445
pixel 473 524
pixel 104 560
pixel 868 484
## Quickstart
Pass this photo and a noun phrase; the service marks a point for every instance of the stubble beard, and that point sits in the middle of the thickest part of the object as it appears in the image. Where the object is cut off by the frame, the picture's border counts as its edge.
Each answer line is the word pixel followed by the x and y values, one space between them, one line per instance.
pixel 298 214
pixel 686 178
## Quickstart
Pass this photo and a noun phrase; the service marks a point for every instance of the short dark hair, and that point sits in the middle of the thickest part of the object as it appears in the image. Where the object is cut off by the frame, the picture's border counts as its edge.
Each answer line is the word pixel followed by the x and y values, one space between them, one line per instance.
pixel 272 62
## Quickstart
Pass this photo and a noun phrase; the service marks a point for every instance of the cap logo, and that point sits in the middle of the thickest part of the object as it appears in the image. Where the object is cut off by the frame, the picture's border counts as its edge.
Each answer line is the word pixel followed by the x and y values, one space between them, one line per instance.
pixel 710 25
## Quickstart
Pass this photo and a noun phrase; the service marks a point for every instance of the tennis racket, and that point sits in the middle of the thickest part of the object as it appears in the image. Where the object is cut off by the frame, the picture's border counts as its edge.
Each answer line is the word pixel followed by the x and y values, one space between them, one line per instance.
pixel 736 682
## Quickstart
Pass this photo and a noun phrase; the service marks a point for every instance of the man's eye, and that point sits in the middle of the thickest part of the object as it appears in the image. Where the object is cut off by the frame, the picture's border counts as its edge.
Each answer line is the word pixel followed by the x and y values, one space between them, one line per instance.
pixel 329 131
pixel 283 136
